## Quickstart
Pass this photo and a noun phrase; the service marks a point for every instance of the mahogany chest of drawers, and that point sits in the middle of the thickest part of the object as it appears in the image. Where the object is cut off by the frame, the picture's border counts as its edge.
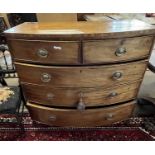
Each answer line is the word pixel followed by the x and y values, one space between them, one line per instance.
pixel 81 73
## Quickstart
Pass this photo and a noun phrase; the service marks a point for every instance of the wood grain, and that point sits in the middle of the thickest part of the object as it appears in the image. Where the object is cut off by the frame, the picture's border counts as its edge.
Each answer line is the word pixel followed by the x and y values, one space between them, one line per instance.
pixel 81 30
pixel 104 51
pixel 70 97
pixel 94 52
pixel 88 76
pixel 27 50
pixel 89 117
pixel 81 73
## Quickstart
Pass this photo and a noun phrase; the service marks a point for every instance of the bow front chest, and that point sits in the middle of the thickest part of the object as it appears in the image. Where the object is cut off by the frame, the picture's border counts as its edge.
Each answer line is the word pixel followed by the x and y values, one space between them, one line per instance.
pixel 81 73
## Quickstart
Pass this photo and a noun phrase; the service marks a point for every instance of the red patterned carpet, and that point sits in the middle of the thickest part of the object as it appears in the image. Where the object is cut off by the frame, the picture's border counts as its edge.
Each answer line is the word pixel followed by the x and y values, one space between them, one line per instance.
pixel 134 129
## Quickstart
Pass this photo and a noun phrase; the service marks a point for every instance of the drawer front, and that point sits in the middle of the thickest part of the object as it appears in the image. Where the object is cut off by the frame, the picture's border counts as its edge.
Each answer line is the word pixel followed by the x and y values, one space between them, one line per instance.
pixel 95 76
pixel 116 50
pixel 48 52
pixel 89 117
pixel 72 97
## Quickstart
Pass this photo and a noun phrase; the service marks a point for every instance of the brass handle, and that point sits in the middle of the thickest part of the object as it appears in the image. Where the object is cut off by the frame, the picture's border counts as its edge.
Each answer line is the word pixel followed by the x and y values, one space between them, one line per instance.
pixel 43 53
pixel 50 96
pixel 113 94
pixel 81 106
pixel 45 77
pixel 120 51
pixel 117 75
pixel 57 47
pixel 52 118
pixel 109 116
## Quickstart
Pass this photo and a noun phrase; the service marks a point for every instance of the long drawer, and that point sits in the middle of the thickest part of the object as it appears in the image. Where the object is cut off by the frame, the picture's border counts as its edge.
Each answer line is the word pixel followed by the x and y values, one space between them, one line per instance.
pixel 47 52
pixel 116 50
pixel 89 117
pixel 88 76
pixel 72 97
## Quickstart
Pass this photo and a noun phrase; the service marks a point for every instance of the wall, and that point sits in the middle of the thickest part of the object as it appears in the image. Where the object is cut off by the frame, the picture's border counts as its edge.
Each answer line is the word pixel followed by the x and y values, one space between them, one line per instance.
pixel 52 17
pixel 49 17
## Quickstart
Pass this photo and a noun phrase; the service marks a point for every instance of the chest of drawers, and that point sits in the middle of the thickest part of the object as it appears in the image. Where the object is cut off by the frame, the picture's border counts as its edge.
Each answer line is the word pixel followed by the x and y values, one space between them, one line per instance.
pixel 81 73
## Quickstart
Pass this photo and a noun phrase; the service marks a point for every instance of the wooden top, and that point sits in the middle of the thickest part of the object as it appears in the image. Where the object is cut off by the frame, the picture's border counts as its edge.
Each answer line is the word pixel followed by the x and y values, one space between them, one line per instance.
pixel 81 30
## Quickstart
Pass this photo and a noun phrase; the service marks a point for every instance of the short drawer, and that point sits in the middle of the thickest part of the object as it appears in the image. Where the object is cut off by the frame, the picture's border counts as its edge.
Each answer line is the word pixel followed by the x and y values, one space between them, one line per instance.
pixel 46 52
pixel 95 76
pixel 88 117
pixel 79 98
pixel 116 50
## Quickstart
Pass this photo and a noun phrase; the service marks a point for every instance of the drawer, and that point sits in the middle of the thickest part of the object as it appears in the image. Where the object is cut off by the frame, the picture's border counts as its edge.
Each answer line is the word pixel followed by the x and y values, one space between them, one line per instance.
pixel 47 52
pixel 95 76
pixel 80 98
pixel 88 117
pixel 116 50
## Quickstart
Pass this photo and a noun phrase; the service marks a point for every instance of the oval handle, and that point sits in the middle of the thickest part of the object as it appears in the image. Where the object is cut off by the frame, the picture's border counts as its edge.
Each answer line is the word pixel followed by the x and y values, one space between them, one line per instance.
pixel 109 116
pixel 45 77
pixel 50 96
pixel 43 53
pixel 81 106
pixel 117 75
pixel 57 47
pixel 113 94
pixel 52 118
pixel 120 51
